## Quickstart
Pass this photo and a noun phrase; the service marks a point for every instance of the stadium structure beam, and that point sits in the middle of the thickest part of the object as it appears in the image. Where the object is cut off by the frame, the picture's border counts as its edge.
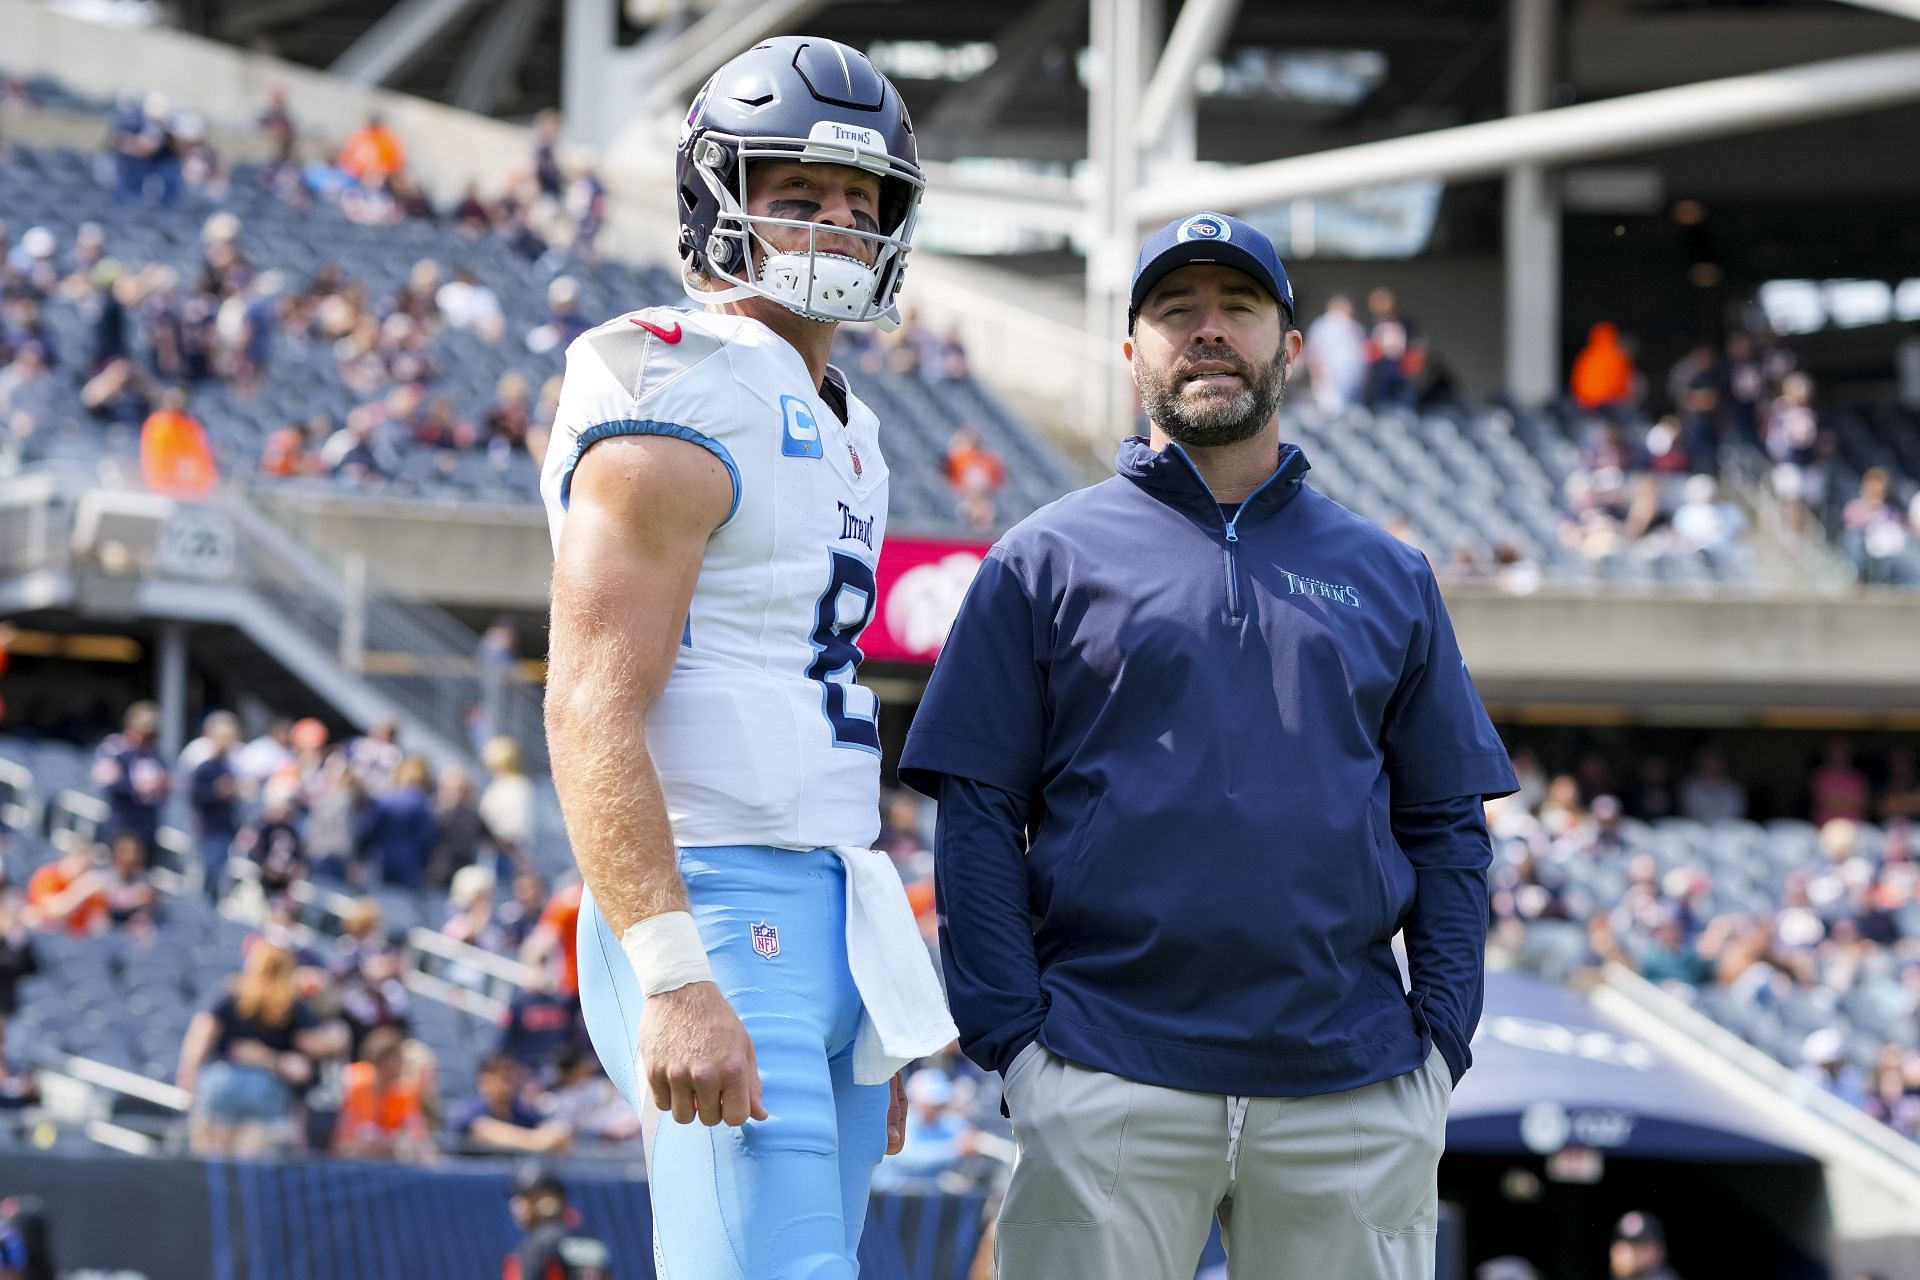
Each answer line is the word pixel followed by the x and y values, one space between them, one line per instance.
pixel 1039 203
pixel 672 72
pixel 587 32
pixel 497 52
pixel 1017 50
pixel 1117 72
pixel 1898 8
pixel 243 22
pixel 1532 223
pixel 404 33
pixel 1638 122
pixel 1195 37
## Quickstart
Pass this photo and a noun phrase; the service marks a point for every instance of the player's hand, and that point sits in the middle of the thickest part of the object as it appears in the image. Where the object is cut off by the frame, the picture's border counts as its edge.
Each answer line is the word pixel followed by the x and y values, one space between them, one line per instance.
pixel 697 1057
pixel 897 1113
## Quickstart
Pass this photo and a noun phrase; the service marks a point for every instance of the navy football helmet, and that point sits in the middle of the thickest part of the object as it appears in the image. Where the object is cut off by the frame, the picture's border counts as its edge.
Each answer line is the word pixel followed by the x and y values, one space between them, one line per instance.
pixel 804 98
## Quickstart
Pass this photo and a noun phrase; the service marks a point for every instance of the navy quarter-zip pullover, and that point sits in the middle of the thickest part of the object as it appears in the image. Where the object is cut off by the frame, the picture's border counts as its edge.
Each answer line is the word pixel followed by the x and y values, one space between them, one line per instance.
pixel 1198 765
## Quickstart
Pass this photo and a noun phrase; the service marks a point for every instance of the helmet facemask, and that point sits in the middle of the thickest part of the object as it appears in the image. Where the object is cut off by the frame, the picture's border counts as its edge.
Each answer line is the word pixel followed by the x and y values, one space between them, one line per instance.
pixel 815 283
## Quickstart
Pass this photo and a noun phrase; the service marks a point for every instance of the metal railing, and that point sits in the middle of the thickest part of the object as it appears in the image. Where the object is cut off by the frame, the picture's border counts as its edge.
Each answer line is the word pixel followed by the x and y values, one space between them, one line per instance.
pixel 412 656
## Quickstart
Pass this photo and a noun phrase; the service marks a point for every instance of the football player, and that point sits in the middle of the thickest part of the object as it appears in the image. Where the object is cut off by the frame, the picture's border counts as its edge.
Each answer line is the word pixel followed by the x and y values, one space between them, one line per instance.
pixel 717 500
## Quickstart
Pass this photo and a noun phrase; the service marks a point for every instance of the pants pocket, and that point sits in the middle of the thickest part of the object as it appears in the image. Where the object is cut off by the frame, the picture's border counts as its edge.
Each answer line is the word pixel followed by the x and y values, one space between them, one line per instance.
pixel 1399 1131
pixel 1070 1128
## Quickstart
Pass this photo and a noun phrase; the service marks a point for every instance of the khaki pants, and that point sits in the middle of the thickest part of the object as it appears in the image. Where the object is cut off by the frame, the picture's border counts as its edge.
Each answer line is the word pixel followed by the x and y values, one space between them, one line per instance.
pixel 1116 1180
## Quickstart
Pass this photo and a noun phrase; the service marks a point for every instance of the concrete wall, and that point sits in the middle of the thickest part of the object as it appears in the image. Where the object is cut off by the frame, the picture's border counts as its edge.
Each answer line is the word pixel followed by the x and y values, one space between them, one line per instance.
pixel 1707 655
pixel 446 148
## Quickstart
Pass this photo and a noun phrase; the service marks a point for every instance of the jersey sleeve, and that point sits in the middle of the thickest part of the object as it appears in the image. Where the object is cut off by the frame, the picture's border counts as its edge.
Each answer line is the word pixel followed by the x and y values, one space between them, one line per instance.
pixel 1439 742
pixel 649 373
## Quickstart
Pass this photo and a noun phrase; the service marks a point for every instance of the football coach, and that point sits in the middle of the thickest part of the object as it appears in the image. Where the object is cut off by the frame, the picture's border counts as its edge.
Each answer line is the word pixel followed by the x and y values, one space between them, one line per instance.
pixel 1203 742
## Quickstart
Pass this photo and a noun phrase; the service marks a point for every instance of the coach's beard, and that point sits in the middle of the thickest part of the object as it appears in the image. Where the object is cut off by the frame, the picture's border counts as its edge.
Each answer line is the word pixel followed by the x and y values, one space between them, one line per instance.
pixel 1210 419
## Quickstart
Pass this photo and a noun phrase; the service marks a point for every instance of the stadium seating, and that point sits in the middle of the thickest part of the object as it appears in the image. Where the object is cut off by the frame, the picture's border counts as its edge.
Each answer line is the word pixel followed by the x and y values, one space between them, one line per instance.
pixel 59 188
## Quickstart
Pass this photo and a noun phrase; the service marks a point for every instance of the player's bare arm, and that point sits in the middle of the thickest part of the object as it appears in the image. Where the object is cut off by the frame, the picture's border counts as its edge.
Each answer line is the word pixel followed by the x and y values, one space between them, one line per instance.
pixel 642 509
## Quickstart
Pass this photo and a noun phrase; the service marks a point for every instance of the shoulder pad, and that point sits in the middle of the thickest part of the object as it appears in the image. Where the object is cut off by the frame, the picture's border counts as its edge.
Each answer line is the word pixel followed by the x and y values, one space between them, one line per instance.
pixel 647 349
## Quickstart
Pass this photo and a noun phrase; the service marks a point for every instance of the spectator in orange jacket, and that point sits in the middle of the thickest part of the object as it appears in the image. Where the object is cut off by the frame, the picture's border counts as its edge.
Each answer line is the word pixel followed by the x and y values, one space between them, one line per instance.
pixel 381 1116
pixel 174 454
pixel 373 153
pixel 1603 371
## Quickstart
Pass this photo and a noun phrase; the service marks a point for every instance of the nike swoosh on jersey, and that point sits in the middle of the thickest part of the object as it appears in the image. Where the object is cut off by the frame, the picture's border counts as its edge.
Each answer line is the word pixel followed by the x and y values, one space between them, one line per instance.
pixel 665 335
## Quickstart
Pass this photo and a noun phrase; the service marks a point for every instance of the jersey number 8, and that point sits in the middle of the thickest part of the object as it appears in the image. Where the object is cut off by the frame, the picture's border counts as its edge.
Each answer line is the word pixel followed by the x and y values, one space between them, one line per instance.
pixel 844 610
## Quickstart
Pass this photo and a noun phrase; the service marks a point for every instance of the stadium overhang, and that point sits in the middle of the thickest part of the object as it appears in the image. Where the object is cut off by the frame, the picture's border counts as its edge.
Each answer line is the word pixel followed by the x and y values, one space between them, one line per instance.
pixel 1639 122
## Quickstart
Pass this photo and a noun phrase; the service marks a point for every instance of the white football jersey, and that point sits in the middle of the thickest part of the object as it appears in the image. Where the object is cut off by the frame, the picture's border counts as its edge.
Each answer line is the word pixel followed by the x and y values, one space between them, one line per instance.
pixel 761 735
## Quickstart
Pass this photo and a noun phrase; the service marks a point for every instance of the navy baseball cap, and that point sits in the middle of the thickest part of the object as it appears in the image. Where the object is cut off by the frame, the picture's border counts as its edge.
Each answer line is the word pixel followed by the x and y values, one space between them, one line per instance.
pixel 1209 237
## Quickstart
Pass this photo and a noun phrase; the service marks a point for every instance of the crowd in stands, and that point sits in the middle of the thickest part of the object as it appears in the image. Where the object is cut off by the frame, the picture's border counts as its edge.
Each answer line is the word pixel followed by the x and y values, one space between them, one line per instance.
pixel 1801 936
pixel 311 1043
pixel 341 374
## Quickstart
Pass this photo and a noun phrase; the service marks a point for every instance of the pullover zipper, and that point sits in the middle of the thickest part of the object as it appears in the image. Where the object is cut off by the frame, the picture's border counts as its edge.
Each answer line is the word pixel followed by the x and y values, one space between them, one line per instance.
pixel 1233 534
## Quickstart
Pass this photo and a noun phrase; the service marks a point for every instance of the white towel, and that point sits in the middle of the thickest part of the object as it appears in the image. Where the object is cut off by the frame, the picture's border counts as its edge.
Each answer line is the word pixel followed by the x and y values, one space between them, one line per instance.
pixel 905 1013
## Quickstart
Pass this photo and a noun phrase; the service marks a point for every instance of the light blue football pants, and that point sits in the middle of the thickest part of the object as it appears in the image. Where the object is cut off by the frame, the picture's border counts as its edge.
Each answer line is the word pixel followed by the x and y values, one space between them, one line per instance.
pixel 779 1199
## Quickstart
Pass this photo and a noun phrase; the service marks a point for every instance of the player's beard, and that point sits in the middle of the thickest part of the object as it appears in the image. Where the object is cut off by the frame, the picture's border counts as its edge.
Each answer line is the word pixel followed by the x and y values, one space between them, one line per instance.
pixel 1214 420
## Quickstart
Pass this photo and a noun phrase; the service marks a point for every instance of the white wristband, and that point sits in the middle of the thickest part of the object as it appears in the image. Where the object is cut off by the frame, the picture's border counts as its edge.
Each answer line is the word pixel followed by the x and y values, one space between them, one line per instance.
pixel 666 952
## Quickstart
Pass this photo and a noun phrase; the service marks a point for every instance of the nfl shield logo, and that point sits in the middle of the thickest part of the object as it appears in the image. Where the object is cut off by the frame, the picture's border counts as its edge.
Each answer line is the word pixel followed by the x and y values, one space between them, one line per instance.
pixel 766 939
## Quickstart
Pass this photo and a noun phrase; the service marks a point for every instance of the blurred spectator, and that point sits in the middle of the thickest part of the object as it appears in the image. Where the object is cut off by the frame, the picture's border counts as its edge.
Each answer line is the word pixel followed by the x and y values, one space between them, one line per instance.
pixel 546 162
pixel 1639 1249
pixel 975 474
pixel 372 153
pixel 21 322
pixel 564 322
pixel 1672 956
pixel 586 1102
pixel 495 1118
pixel 1708 794
pixel 1875 530
pixel 470 216
pixel 131 898
pixel 1824 1055
pixel 1336 354
pixel 470 904
pixel 1792 434
pixel 213 792
pixel 539 1023
pixel 265 755
pixel 398 832
pixel 1893 1093
pixel 1396 354
pixel 1603 376
pixel 132 777
pixel 465 303
pixel 145 156
pixel 506 806
pixel 1900 796
pixel 1746 381
pixel 277 123
pixel 508 419
pixel 520 915
pixel 458 828
pixel 122 392
pixel 244 1057
pixel 553 1246
pixel 376 757
pixel 17 1089
pixel 939 1137
pixel 1652 795
pixel 1704 523
pixel 271 841
pixel 381 1116
pixel 499 661
pixel 553 946
pixel 1836 787
pixel 28 388
pixel 374 994
pixel 69 893
pixel 1906 366
pixel 175 457
pixel 18 959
